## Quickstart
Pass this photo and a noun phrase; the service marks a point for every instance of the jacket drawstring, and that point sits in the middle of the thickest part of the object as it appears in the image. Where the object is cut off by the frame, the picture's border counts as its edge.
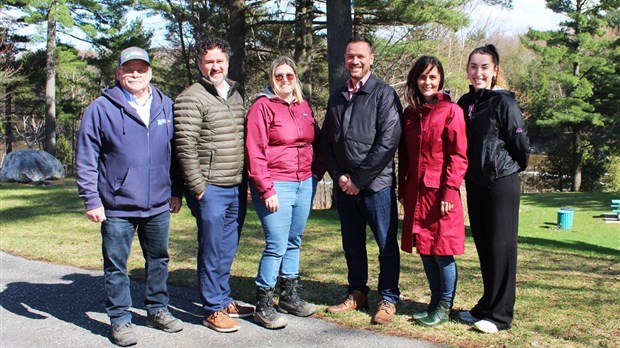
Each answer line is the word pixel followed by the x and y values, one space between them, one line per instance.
pixel 123 119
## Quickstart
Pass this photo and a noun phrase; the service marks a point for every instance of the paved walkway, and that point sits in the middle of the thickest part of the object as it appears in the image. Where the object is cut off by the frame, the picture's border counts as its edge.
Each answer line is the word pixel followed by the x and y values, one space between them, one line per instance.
pixel 45 305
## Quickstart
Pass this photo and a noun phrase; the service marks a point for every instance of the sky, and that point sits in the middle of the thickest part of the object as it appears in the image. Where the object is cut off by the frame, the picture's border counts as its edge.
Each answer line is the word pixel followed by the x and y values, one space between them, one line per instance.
pixel 525 14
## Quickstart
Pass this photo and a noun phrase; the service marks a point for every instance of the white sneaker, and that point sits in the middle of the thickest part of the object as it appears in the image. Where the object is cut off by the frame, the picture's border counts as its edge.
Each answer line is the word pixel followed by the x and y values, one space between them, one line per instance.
pixel 485 326
pixel 466 318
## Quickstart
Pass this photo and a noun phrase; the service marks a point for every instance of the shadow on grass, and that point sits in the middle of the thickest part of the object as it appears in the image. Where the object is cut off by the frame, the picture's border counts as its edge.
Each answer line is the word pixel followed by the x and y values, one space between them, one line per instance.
pixel 581 200
pixel 54 199
pixel 573 246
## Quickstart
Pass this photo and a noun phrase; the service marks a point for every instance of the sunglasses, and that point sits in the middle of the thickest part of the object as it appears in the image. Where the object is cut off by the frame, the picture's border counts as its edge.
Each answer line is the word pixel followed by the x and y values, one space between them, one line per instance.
pixel 280 77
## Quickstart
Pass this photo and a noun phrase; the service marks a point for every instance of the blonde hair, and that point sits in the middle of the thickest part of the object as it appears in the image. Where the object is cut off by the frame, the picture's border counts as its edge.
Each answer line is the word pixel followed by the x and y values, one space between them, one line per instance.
pixel 285 60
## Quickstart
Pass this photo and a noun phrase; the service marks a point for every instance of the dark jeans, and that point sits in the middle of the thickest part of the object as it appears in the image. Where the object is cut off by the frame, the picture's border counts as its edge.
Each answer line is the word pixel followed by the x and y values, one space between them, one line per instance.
pixel 494 220
pixel 219 216
pixel 117 236
pixel 377 210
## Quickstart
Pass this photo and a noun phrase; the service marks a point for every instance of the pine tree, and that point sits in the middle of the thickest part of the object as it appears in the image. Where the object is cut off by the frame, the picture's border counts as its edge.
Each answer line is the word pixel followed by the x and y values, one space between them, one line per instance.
pixel 571 57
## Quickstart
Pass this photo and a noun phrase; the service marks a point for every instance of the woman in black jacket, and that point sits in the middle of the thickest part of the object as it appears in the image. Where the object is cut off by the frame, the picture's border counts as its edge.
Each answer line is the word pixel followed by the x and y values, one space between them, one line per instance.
pixel 498 148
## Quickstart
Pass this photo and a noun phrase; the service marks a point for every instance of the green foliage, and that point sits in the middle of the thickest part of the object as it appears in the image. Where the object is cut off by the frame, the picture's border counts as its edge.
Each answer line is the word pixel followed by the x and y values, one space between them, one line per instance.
pixel 74 87
pixel 106 61
pixel 96 19
pixel 564 87
pixel 613 172
pixel 594 168
pixel 65 154
pixel 557 167
pixel 414 15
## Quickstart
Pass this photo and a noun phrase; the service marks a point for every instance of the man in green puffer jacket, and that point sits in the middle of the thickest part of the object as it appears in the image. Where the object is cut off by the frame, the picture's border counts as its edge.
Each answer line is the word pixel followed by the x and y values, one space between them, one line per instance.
pixel 209 125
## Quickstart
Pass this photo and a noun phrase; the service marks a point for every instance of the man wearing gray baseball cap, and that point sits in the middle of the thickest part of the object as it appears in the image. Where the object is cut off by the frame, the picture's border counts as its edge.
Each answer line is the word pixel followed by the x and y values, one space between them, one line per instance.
pixel 129 180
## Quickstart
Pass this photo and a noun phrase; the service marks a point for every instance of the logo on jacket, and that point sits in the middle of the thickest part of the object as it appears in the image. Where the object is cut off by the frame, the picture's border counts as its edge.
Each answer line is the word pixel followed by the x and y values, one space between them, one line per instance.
pixel 164 121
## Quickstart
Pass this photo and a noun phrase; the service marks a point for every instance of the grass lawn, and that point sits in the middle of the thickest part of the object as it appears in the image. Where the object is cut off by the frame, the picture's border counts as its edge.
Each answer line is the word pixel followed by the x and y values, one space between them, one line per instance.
pixel 568 287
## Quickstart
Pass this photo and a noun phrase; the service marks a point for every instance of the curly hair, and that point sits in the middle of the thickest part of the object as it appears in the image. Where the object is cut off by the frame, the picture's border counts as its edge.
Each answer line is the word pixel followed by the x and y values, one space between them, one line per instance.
pixel 211 42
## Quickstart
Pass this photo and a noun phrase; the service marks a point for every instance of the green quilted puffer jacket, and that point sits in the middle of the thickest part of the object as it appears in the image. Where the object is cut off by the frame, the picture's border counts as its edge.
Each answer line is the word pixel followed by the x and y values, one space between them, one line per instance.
pixel 209 135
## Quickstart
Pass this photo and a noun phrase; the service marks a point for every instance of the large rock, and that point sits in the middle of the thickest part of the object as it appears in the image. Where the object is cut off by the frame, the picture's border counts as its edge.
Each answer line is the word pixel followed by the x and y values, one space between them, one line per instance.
pixel 30 166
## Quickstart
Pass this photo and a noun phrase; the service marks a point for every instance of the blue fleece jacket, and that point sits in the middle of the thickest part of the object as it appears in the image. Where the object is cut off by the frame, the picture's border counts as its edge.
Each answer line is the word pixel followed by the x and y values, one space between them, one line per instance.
pixel 123 165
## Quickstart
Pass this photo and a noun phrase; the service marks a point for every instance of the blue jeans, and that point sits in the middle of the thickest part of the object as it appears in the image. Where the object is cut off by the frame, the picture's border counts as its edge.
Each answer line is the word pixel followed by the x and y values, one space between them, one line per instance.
pixel 117 236
pixel 377 210
pixel 219 216
pixel 283 229
pixel 442 275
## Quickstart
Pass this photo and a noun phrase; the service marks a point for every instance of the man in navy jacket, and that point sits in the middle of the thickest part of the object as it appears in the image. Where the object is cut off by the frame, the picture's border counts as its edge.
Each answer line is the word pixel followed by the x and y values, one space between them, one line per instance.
pixel 125 175
pixel 359 138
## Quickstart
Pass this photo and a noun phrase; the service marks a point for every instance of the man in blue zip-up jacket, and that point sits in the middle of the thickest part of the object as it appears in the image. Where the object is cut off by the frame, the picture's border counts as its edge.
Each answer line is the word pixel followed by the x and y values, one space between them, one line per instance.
pixel 126 176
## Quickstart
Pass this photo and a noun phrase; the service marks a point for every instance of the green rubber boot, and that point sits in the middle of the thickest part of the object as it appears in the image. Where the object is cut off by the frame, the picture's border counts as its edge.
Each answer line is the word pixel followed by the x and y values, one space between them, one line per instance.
pixel 439 315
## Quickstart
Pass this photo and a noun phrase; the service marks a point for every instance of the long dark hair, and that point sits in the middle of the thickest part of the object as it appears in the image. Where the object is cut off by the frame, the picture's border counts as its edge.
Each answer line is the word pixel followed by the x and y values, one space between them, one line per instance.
pixel 491 50
pixel 412 92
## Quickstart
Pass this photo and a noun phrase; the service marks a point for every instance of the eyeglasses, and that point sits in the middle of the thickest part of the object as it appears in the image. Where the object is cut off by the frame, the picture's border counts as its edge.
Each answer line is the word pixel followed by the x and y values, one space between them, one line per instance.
pixel 280 77
pixel 140 71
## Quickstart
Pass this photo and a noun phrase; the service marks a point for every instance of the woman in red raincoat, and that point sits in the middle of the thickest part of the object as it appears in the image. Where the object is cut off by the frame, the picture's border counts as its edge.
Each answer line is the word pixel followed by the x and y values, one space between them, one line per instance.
pixel 432 164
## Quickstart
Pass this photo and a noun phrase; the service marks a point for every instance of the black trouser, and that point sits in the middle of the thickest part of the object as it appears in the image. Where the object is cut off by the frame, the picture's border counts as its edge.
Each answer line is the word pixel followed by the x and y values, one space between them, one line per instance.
pixel 494 220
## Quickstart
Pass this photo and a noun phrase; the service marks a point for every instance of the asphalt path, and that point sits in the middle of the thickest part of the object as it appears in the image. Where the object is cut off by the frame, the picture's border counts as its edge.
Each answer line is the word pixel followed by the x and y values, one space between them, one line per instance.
pixel 46 305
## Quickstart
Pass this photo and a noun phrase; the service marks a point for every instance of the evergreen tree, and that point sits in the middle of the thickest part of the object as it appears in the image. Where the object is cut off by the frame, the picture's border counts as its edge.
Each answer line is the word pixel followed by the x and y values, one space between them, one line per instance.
pixel 565 90
pixel 93 18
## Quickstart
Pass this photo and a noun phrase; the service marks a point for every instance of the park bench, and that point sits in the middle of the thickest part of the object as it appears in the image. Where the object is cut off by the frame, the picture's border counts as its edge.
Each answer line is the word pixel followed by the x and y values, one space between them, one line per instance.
pixel 615 207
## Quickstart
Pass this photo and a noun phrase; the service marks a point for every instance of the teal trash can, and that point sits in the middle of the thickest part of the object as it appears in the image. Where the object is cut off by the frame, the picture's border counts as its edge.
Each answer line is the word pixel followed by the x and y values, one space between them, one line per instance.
pixel 565 218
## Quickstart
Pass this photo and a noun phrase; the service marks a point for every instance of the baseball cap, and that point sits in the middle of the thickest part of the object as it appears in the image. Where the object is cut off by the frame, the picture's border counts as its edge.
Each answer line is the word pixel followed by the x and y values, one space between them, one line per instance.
pixel 132 53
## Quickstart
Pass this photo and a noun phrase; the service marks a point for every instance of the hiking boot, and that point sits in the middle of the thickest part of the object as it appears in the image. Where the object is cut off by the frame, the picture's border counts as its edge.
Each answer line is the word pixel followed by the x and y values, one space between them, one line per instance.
pixel 290 299
pixel 266 314
pixel 385 313
pixel 164 321
pixel 237 309
pixel 220 322
pixel 355 300
pixel 439 315
pixel 124 335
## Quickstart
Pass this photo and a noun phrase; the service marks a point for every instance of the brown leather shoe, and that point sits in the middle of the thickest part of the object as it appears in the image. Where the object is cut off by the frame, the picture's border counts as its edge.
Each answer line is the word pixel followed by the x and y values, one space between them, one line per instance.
pixel 220 322
pixel 385 312
pixel 238 309
pixel 355 300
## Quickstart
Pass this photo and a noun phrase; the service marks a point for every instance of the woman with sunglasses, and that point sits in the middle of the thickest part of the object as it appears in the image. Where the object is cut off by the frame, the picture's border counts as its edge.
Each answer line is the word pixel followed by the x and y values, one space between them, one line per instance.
pixel 280 152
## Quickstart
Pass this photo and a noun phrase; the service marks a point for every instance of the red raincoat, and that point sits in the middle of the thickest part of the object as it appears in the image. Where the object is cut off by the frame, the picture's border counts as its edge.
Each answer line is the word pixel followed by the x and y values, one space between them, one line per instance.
pixel 432 164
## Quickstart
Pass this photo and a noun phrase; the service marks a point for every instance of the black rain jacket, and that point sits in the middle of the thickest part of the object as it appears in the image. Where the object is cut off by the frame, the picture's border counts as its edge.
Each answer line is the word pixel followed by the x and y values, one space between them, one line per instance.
pixel 497 142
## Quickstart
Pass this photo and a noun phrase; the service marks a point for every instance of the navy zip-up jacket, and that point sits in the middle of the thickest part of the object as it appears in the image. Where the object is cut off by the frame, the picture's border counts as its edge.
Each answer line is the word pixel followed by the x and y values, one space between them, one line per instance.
pixel 123 165
pixel 361 135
